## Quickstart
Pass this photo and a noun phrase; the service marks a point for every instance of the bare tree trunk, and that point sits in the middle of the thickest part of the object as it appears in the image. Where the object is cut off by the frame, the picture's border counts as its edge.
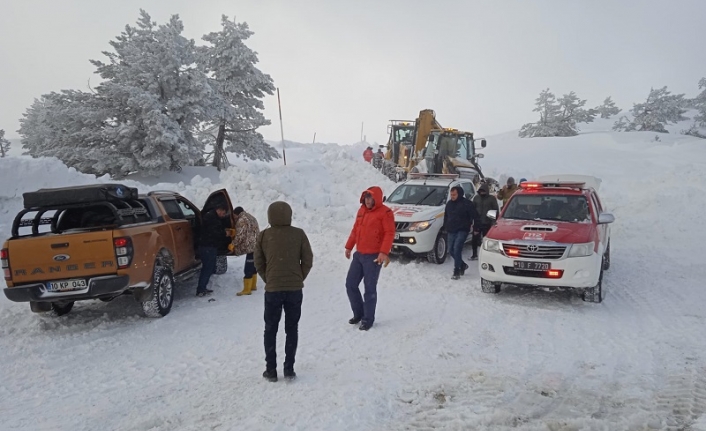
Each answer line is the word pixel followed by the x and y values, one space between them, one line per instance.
pixel 218 147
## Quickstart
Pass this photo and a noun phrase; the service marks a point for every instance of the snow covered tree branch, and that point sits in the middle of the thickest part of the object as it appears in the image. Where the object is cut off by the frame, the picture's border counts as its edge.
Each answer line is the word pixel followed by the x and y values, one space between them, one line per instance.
pixel 4 144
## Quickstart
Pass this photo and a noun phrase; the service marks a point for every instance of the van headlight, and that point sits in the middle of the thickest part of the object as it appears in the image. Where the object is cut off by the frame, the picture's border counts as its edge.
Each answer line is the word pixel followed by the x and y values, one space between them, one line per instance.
pixel 491 245
pixel 581 250
pixel 420 226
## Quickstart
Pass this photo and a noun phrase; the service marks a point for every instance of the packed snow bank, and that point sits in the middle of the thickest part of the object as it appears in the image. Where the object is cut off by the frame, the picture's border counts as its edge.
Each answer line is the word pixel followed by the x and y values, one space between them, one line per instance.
pixel 442 355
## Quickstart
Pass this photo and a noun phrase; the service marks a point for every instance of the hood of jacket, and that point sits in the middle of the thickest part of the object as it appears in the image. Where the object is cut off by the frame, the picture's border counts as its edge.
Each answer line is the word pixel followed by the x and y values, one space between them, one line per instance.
pixel 279 214
pixel 460 192
pixel 377 197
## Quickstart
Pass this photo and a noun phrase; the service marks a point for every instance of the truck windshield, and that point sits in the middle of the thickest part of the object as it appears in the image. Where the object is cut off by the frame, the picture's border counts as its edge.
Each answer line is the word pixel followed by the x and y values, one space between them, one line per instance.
pixel 548 207
pixel 419 194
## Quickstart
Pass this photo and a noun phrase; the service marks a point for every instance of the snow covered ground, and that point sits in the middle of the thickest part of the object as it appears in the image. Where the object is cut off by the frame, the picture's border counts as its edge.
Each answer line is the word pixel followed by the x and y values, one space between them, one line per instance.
pixel 442 355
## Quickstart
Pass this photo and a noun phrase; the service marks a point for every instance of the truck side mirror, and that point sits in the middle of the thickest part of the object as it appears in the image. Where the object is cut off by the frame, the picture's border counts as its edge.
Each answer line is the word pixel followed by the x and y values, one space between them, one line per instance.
pixel 482 143
pixel 605 218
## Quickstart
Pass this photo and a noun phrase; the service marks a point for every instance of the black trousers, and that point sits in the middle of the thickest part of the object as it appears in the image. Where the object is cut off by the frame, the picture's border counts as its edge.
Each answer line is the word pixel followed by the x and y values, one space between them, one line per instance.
pixel 249 268
pixel 291 303
pixel 477 239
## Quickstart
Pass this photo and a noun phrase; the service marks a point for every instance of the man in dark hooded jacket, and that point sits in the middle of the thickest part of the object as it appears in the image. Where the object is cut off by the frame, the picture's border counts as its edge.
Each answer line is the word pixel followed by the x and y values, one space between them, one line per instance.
pixel 283 259
pixel 460 215
pixel 213 235
pixel 483 202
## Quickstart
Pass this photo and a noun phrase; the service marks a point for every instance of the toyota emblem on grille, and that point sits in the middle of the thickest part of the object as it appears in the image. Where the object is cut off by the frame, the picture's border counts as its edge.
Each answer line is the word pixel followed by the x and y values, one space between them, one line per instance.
pixel 532 247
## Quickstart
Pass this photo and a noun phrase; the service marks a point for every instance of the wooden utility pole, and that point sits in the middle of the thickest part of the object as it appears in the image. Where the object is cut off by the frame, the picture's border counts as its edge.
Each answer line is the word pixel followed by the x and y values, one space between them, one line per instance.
pixel 281 127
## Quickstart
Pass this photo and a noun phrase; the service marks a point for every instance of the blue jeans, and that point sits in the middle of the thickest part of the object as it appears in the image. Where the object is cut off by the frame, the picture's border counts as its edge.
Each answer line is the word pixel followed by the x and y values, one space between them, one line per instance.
pixel 455 247
pixel 363 269
pixel 208 266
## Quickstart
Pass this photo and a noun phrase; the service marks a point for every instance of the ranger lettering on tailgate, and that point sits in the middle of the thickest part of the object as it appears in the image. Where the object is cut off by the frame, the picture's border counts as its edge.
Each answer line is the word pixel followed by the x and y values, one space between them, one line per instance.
pixel 65 268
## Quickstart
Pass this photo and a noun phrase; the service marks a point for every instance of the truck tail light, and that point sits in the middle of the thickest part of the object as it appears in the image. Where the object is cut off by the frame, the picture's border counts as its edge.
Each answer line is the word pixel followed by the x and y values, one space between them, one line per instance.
pixel 5 263
pixel 123 251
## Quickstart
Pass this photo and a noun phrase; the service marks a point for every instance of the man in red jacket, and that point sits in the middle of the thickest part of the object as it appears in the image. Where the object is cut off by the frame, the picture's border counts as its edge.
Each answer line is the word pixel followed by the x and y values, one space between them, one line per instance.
pixel 372 235
pixel 368 154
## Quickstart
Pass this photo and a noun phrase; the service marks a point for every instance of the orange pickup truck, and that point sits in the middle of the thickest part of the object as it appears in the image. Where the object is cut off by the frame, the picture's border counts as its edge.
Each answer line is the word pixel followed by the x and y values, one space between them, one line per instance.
pixel 102 241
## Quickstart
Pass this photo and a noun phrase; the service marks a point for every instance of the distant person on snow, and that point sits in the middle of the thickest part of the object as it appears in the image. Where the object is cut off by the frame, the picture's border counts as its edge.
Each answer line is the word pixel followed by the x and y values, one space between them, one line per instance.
pixel 368 154
pixel 283 259
pixel 372 235
pixel 459 217
pixel 246 231
pixel 484 202
pixel 508 190
pixel 377 158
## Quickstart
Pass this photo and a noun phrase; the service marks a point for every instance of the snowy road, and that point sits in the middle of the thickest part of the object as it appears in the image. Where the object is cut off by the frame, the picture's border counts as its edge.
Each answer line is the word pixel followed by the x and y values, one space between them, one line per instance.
pixel 442 354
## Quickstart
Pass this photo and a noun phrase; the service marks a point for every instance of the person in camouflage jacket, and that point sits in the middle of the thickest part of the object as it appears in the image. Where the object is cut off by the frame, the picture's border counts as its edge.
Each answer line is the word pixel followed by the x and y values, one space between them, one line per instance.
pixel 246 231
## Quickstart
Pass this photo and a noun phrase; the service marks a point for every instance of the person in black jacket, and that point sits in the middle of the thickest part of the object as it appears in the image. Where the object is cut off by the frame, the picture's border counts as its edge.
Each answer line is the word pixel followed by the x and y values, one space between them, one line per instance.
pixel 483 202
pixel 212 236
pixel 460 215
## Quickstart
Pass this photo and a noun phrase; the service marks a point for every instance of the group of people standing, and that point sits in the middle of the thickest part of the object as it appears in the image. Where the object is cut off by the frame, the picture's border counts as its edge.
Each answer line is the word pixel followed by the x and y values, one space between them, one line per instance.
pixel 463 217
pixel 282 257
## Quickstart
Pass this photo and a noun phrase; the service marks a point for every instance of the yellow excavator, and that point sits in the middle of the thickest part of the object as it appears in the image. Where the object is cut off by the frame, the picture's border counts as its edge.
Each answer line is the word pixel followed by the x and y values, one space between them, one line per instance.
pixel 406 143
pixel 424 146
pixel 452 151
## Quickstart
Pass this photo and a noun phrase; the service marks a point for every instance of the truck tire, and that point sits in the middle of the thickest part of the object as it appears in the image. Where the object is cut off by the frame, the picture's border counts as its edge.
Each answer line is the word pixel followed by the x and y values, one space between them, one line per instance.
pixel 594 294
pixel 489 287
pixel 438 253
pixel 160 302
pixel 61 308
pixel 606 258
pixel 221 265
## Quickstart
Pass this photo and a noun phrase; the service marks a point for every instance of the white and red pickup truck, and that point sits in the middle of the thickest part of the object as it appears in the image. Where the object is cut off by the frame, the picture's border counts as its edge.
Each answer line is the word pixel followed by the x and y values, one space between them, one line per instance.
pixel 553 232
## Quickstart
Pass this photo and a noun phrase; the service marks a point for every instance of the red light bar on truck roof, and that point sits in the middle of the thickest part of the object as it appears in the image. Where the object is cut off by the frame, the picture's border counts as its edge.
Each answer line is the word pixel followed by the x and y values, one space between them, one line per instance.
pixel 556 184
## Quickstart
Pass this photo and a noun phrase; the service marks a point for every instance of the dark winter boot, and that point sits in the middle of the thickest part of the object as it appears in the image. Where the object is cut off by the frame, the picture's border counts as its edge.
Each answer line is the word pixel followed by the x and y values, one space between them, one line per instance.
pixel 456 275
pixel 289 374
pixel 465 267
pixel 354 320
pixel 270 375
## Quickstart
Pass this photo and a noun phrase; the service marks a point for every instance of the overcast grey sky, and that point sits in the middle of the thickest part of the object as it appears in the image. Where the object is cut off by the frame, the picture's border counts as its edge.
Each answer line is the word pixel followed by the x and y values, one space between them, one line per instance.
pixel 478 64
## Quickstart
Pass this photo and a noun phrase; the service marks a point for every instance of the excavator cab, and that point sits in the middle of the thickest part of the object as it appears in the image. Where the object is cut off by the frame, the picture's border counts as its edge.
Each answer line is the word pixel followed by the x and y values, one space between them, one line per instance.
pixel 441 145
pixel 401 137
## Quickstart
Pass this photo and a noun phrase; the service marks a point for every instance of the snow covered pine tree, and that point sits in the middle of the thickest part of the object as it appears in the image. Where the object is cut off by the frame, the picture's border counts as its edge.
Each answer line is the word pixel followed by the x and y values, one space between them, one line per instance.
pixel 557 118
pixel 660 109
pixel 4 144
pixel 608 108
pixel 238 87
